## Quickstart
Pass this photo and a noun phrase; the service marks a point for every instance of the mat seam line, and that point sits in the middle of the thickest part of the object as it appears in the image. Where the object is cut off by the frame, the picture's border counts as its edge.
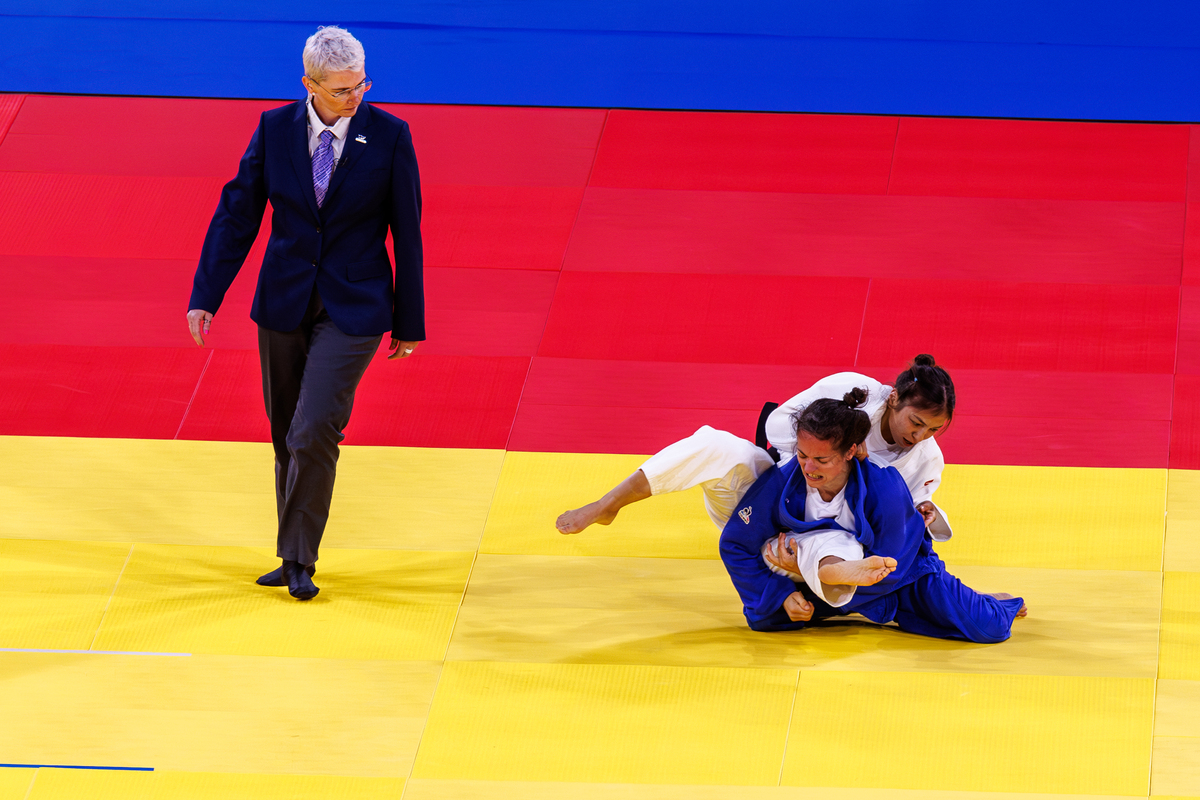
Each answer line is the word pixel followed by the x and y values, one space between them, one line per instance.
pixel 437 684
pixel 788 733
pixel 557 280
pixel 29 790
pixel 104 614
pixel 507 450
pixel 863 325
pixel 12 120
pixel 195 392
pixel 1162 596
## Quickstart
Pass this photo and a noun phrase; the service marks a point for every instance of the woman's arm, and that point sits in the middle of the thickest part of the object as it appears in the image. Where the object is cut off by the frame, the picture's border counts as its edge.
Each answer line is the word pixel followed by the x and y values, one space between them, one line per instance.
pixel 780 432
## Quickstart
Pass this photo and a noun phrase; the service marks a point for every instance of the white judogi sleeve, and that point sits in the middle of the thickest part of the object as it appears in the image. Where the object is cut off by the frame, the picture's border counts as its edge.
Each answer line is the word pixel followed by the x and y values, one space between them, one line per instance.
pixel 921 467
pixel 780 432
pixel 924 479
pixel 810 548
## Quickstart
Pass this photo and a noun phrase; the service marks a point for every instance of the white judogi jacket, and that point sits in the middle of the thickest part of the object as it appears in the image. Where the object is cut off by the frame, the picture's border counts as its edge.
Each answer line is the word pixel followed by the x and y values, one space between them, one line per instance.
pixel 921 465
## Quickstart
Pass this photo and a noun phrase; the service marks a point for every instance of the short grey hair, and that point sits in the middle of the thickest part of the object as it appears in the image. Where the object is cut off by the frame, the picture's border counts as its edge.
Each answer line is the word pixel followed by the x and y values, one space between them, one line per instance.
pixel 332 49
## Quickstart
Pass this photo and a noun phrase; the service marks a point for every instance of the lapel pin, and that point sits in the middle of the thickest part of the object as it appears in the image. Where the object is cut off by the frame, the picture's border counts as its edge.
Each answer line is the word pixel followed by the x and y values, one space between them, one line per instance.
pixel 360 139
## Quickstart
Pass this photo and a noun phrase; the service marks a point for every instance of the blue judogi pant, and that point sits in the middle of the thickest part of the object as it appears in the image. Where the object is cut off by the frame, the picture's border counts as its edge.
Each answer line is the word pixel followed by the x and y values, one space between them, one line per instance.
pixel 936 604
pixel 940 605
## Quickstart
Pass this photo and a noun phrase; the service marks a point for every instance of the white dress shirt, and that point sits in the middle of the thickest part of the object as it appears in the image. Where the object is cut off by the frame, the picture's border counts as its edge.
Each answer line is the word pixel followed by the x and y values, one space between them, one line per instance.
pixel 316 126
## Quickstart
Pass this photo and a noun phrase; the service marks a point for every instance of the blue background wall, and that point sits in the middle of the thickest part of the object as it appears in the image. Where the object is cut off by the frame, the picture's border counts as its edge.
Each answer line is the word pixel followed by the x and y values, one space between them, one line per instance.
pixel 1058 59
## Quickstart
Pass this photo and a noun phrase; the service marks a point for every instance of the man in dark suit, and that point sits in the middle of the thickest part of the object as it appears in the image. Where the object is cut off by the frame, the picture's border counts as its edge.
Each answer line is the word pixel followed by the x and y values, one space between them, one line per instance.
pixel 338 174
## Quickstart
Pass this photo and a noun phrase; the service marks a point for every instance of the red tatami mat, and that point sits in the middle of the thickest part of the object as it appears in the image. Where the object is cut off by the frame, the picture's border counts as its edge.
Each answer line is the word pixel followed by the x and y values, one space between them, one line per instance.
pixel 496 146
pixel 151 136
pixel 486 312
pixel 518 227
pixel 1023 326
pixel 665 384
pixel 1185 424
pixel 10 104
pixel 714 262
pixel 105 216
pixel 1188 361
pixel 577 405
pixel 1191 244
pixel 703 318
pixel 1040 159
pixel 116 302
pixel 639 230
pixel 1193 190
pixel 746 152
pixel 1042 418
pixel 608 429
pixel 422 401
pixel 1058 395
pixel 970 440
pixel 1041 442
pixel 122 392
pixel 228 404
pixel 438 401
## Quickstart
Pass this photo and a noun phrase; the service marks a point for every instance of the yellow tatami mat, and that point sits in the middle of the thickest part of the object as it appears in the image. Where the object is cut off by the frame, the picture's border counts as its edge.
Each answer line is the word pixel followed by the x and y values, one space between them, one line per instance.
pixel 1180 656
pixel 1177 738
pixel 462 649
pixel 1182 550
pixel 1012 733
pixel 424 789
pixel 612 724
pixel 374 604
pixel 63 784
pixel 535 488
pixel 1056 517
pixel 53 594
pixel 686 613
pixel 15 783
pixel 215 713
pixel 183 492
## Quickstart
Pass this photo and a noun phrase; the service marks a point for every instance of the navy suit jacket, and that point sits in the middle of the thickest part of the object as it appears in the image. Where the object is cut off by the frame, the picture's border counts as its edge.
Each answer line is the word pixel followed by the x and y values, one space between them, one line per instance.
pixel 341 247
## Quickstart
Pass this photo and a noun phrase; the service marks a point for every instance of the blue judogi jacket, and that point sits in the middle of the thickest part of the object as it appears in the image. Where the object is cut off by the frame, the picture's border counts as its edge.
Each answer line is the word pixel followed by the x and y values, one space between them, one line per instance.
pixel 888 525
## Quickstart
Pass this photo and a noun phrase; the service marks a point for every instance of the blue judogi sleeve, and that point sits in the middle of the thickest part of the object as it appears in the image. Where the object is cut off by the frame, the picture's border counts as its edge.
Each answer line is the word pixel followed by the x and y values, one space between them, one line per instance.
pixel 752 523
pixel 762 514
pixel 883 512
pixel 920 596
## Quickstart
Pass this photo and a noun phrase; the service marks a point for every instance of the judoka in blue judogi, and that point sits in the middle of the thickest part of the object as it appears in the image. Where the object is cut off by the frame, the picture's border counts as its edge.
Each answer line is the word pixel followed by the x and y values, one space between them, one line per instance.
pixel 919 596
pixel 855 541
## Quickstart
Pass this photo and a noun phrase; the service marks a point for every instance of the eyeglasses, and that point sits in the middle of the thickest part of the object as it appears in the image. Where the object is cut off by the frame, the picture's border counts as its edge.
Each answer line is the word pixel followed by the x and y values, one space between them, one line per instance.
pixel 338 95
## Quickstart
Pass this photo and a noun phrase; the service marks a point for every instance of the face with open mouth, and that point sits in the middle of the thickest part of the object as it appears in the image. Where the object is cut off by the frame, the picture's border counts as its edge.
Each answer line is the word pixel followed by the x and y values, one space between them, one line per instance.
pixel 823 467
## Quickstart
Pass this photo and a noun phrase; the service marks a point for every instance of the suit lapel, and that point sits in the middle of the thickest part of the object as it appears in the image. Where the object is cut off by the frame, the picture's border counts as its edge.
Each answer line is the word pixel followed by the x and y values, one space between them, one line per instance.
pixel 351 150
pixel 301 160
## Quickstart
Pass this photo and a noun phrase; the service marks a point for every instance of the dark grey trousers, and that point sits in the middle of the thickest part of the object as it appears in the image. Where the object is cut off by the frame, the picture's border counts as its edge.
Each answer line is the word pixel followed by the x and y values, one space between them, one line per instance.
pixel 309 378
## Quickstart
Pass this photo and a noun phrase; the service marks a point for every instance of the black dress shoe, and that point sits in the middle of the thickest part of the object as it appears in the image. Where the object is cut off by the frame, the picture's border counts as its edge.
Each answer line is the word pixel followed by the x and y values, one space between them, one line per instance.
pixel 300 586
pixel 275 576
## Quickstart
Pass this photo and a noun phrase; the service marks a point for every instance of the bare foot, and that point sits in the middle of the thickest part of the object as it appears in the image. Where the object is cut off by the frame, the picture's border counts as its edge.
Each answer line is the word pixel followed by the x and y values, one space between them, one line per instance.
pixel 1005 596
pixel 864 572
pixel 634 488
pixel 592 514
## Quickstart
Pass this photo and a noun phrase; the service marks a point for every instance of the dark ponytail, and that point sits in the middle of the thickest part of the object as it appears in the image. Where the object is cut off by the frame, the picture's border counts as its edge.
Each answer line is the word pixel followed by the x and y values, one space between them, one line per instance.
pixel 926 386
pixel 843 423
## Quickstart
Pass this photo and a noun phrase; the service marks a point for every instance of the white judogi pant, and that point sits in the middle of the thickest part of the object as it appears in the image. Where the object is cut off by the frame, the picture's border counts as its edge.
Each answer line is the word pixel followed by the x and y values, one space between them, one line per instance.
pixel 725 467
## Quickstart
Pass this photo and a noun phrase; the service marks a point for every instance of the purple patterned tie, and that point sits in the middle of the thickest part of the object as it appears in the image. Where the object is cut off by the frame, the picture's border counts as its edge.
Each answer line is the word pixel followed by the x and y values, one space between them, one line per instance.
pixel 322 166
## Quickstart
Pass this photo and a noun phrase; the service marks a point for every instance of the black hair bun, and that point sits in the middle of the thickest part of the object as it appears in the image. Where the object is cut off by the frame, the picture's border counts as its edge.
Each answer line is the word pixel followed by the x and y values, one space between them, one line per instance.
pixel 924 360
